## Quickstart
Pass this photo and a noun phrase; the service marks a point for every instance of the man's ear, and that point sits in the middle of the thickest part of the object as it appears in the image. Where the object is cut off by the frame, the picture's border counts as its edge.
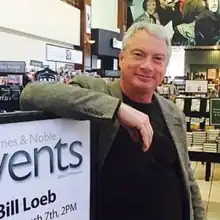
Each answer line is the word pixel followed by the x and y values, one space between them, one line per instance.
pixel 121 56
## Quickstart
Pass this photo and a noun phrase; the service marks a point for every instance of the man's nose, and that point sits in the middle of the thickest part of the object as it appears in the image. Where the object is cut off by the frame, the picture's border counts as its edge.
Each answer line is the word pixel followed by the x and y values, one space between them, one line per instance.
pixel 147 64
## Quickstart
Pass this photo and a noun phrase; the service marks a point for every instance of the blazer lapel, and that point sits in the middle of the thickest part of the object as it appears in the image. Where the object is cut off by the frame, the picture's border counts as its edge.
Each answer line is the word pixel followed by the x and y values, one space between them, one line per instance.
pixel 170 118
pixel 174 125
pixel 178 135
pixel 109 132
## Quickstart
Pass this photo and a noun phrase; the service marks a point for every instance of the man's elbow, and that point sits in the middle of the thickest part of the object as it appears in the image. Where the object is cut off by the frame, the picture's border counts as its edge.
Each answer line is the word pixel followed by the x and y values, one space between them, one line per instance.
pixel 25 99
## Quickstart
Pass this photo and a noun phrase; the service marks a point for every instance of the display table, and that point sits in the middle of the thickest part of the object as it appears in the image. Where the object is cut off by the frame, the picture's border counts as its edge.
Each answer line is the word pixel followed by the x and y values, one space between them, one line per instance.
pixel 207 158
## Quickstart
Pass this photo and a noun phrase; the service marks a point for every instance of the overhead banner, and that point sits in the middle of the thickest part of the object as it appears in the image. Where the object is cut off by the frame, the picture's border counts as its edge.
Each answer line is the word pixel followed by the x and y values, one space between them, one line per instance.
pixel 191 22
pixel 45 170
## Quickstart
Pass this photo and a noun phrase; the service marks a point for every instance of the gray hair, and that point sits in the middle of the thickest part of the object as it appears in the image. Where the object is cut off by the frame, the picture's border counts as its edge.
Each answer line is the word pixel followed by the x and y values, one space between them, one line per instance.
pixel 155 30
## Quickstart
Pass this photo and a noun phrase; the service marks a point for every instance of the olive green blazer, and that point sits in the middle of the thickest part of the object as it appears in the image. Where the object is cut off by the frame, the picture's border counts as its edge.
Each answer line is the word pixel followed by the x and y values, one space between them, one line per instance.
pixel 88 98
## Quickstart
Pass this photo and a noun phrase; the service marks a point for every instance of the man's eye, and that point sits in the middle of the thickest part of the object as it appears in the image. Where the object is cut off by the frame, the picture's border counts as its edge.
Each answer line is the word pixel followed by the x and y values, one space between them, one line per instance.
pixel 137 54
pixel 158 58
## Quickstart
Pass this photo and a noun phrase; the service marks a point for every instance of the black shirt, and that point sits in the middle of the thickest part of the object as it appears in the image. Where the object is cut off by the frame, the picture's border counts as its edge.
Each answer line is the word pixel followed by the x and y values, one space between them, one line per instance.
pixel 137 185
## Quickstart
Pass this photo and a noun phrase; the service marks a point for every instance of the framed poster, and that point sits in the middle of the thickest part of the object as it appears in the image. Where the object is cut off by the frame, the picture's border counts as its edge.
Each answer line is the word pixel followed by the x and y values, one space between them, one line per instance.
pixel 184 25
pixel 212 73
pixel 45 170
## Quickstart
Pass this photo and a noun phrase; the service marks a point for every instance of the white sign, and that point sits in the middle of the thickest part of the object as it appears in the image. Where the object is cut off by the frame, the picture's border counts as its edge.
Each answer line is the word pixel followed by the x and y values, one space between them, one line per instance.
pixel 196 86
pixel 116 44
pixel 88 19
pixel 176 63
pixel 64 55
pixel 45 170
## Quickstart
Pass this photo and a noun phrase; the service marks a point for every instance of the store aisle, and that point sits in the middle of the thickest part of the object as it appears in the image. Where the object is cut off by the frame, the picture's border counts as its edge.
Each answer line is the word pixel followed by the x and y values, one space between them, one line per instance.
pixel 210 190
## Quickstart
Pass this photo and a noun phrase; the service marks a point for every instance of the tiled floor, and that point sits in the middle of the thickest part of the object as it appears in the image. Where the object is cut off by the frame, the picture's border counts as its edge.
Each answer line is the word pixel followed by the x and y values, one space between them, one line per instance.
pixel 210 190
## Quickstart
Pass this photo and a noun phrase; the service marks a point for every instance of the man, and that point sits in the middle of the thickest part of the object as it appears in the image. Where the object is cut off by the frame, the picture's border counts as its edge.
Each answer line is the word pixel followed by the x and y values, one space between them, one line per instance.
pixel 183 14
pixel 150 12
pixel 144 169
pixel 207 28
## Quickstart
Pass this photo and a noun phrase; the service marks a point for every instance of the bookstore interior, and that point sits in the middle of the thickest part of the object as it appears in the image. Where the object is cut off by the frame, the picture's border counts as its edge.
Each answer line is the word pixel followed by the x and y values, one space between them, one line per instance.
pixel 191 82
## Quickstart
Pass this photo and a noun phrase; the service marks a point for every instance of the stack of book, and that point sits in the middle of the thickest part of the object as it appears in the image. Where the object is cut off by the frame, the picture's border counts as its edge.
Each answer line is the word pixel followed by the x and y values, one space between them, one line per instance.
pixel 189 139
pixel 218 144
pixel 210 147
pixel 199 138
pixel 212 135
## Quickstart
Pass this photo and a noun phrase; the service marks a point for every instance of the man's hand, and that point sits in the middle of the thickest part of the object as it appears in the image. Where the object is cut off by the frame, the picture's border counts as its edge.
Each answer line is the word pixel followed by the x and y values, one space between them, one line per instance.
pixel 137 123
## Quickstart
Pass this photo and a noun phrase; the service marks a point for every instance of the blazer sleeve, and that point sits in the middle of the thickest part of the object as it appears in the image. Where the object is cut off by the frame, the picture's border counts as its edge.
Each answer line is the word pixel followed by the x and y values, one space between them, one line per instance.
pixel 197 203
pixel 85 98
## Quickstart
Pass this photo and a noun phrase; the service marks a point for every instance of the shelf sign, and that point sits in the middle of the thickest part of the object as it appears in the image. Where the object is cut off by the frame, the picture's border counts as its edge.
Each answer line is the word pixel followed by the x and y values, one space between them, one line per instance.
pixel 112 73
pixel 214 111
pixel 116 44
pixel 12 66
pixel 36 63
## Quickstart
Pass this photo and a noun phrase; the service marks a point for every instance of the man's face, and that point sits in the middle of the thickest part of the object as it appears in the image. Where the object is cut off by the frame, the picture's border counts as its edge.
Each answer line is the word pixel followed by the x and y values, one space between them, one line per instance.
pixel 213 5
pixel 151 6
pixel 163 3
pixel 143 62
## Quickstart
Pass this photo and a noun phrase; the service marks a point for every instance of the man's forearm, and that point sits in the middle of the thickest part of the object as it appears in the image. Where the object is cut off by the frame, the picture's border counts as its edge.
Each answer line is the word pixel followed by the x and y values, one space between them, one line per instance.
pixel 69 101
